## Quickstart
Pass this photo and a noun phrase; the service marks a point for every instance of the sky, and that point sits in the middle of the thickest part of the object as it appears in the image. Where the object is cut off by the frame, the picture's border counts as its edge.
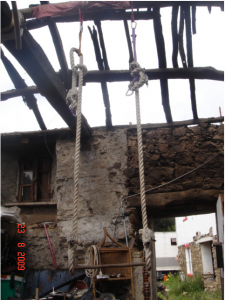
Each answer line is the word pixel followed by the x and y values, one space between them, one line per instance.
pixel 208 50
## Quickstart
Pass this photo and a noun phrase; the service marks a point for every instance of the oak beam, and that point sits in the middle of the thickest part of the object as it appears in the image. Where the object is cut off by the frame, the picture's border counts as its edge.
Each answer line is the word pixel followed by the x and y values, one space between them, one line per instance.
pixel 190 60
pixel 37 65
pixel 19 92
pixel 60 52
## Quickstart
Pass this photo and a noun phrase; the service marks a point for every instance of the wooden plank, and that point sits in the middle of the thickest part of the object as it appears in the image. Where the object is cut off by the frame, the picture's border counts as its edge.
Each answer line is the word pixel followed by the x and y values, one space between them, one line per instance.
pixel 60 52
pixel 128 41
pixel 175 36
pixel 37 65
pixel 122 265
pixel 190 60
pixel 20 83
pixel 208 73
pixel 103 83
pixel 19 92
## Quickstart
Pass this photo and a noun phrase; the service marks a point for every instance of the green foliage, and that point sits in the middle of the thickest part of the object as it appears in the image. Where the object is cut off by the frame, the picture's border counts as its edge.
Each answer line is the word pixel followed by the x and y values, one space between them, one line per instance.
pixel 162 225
pixel 192 288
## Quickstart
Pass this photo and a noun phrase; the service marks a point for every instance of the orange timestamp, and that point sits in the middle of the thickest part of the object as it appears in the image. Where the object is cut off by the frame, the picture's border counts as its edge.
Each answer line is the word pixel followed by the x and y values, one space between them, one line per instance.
pixel 21 255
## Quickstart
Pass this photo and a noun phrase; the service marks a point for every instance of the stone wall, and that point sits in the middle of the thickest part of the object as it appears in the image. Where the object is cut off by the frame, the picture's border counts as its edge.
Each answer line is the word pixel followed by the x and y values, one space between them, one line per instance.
pixel 9 177
pixel 171 152
pixel 211 282
pixel 108 173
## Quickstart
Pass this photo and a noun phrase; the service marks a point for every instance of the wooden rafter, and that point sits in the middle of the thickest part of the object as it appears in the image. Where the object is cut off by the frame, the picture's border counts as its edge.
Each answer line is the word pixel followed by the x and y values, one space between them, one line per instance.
pixel 60 52
pixel 37 65
pixel 18 82
pixel 19 92
pixel 160 45
pixel 103 82
pixel 190 60
pixel 27 12
pixel 208 73
pixel 102 44
pixel 131 56
pixel 175 36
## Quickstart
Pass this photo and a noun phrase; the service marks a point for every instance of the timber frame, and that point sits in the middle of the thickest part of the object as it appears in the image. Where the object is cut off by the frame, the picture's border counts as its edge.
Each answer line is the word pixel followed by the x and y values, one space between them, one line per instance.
pixel 54 85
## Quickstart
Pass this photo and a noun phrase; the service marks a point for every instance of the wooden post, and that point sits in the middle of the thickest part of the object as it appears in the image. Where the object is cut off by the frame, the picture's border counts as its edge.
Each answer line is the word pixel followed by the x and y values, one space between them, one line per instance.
pixel 153 279
pixel 36 294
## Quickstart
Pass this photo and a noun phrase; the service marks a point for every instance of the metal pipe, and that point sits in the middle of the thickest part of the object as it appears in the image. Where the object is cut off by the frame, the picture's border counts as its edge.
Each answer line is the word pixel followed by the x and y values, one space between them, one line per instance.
pixel 124 222
pixel 50 245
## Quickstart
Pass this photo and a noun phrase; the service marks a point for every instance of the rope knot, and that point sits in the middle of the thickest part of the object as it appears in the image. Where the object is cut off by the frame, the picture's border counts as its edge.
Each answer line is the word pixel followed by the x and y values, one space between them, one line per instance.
pixel 71 99
pixel 147 237
pixel 140 78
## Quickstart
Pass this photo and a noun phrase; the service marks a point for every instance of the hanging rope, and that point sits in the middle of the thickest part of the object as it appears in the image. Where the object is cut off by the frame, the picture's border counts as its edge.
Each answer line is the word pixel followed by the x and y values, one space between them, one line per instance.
pixel 140 78
pixel 74 100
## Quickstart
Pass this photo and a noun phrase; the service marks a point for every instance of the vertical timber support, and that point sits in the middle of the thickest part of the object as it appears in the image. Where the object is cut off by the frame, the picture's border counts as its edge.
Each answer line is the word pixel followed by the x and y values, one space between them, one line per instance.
pixel 190 59
pixel 160 44
pixel 153 279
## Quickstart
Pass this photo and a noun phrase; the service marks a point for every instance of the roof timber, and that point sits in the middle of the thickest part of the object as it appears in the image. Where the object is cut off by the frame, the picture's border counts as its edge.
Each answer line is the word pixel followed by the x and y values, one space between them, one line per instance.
pixel 102 66
pixel 18 82
pixel 27 12
pixel 60 52
pixel 36 64
pixel 160 45
pixel 190 59
pixel 208 73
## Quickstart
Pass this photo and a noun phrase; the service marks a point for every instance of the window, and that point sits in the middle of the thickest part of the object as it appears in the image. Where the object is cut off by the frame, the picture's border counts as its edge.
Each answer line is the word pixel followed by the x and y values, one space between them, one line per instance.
pixel 173 241
pixel 35 180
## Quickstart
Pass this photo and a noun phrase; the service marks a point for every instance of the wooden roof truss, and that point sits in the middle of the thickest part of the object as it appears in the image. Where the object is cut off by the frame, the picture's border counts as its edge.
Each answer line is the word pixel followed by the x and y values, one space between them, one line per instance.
pixel 54 85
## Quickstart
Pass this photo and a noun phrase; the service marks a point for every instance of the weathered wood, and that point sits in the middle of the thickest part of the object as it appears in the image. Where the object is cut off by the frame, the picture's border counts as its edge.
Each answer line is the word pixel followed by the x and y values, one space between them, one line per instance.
pixel 181 43
pixel 18 82
pixel 190 59
pixel 193 10
pixel 101 39
pixel 19 92
pixel 160 45
pixel 195 201
pixel 154 74
pixel 103 83
pixel 27 12
pixel 97 16
pixel 37 65
pixel 16 26
pixel 60 52
pixel 82 267
pixel 175 36
pixel 128 41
